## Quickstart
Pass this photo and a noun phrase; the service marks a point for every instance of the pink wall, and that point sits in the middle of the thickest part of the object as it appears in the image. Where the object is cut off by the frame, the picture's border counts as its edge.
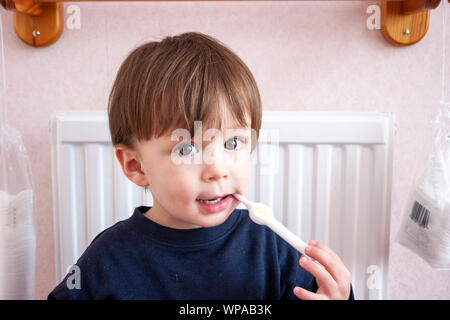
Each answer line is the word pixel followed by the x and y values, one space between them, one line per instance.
pixel 305 56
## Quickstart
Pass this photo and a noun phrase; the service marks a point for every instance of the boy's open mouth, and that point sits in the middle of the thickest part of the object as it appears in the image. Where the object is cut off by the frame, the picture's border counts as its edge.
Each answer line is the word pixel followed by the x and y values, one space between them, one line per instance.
pixel 214 204
pixel 213 199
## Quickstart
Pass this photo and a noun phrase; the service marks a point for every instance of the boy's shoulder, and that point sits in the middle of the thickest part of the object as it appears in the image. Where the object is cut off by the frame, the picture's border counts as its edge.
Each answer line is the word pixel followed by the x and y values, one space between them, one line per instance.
pixel 102 251
pixel 110 240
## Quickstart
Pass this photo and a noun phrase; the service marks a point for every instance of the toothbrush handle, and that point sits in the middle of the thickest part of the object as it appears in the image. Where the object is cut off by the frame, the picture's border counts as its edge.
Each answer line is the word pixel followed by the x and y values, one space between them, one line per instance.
pixel 287 235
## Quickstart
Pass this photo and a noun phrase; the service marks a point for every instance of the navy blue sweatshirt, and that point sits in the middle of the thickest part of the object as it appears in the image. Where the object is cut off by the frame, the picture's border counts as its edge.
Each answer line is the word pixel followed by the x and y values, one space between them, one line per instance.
pixel 139 259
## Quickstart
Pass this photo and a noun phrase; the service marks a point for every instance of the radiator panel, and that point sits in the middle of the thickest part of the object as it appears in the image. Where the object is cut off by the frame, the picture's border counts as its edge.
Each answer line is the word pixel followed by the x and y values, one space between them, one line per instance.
pixel 327 175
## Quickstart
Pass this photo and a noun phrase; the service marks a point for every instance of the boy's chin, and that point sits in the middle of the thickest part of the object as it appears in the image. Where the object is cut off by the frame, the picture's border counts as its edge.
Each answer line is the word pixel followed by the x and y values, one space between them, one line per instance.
pixel 215 219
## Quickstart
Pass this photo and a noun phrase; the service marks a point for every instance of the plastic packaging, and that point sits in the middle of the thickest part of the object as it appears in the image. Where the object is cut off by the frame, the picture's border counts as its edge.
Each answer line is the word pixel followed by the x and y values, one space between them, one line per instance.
pixel 17 227
pixel 425 227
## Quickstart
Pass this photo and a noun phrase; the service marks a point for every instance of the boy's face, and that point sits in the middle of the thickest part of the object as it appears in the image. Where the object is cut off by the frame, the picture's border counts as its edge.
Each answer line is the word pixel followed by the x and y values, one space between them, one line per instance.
pixel 182 172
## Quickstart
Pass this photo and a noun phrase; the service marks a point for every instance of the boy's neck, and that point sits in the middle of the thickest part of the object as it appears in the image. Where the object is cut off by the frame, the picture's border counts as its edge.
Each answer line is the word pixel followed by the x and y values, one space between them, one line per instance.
pixel 160 216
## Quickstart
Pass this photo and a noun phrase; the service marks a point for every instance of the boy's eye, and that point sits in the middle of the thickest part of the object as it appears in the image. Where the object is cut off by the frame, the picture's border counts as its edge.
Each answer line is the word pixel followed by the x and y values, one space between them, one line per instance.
pixel 234 143
pixel 186 150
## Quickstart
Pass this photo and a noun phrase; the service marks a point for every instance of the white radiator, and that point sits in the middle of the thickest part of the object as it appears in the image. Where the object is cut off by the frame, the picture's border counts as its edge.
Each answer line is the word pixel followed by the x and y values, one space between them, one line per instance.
pixel 328 178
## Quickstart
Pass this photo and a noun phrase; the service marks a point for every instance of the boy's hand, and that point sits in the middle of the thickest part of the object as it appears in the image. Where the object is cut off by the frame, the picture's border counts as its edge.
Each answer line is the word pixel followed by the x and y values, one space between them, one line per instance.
pixel 332 277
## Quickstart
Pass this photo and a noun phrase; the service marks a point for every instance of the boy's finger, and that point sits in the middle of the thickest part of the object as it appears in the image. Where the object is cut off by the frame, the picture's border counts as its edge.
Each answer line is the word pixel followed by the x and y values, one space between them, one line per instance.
pixel 335 267
pixel 342 272
pixel 304 294
pixel 323 277
pixel 315 243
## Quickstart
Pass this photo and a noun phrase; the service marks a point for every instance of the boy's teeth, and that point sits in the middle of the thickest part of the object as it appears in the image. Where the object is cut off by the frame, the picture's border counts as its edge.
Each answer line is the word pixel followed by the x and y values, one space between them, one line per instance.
pixel 210 201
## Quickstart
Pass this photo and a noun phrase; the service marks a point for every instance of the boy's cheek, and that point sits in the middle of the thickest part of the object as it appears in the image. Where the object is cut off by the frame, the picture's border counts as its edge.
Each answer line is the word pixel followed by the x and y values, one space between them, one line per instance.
pixel 174 195
pixel 181 183
pixel 244 165
pixel 242 176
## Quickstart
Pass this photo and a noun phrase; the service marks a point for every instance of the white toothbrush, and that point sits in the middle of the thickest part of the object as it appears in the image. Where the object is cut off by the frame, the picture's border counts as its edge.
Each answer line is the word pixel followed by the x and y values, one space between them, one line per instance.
pixel 262 214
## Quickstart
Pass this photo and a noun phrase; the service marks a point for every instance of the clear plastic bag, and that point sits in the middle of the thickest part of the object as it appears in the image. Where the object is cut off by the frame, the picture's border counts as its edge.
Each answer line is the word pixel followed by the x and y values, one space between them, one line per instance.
pixel 425 227
pixel 17 226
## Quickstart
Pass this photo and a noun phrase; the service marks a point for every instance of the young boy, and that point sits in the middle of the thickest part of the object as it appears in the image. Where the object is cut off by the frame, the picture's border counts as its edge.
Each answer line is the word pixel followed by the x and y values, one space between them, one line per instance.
pixel 193 243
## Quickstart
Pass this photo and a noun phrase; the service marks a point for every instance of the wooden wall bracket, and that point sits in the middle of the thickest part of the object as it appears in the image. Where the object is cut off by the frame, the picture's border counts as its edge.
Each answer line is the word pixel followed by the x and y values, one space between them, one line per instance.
pixel 40 22
pixel 406 22
pixel 36 24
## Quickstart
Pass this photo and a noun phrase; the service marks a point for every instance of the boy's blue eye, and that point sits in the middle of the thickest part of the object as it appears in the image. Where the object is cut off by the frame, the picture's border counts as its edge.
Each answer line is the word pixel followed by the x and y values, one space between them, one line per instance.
pixel 234 143
pixel 186 150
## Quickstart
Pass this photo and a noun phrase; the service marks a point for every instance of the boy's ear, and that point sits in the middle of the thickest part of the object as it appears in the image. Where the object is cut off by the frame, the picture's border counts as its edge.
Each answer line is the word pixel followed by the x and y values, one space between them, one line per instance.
pixel 131 165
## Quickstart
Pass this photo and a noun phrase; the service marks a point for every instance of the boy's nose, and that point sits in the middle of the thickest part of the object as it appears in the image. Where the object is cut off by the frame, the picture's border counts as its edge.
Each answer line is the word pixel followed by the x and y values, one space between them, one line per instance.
pixel 214 162
pixel 214 172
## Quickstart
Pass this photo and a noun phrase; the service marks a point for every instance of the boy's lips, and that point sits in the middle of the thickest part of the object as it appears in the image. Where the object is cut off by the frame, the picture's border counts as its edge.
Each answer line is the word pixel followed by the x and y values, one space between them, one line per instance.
pixel 212 198
pixel 218 205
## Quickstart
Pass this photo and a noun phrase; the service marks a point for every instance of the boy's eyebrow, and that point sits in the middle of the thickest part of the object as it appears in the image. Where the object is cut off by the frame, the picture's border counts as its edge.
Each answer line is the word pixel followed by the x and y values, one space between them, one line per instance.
pixel 236 126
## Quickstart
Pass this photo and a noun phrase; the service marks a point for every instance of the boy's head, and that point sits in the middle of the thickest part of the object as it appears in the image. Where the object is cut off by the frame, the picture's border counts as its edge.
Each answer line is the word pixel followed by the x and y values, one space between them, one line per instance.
pixel 193 88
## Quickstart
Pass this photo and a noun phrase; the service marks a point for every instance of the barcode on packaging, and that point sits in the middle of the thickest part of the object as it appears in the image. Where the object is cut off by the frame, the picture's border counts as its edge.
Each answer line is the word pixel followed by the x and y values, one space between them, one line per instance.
pixel 420 215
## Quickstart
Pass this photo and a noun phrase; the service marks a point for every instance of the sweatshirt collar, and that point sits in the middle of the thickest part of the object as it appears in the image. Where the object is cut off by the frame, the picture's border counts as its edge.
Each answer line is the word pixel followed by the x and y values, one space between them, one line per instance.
pixel 182 237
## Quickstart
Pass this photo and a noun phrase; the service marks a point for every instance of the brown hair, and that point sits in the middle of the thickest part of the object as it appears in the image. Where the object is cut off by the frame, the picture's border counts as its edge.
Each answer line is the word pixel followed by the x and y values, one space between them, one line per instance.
pixel 170 84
